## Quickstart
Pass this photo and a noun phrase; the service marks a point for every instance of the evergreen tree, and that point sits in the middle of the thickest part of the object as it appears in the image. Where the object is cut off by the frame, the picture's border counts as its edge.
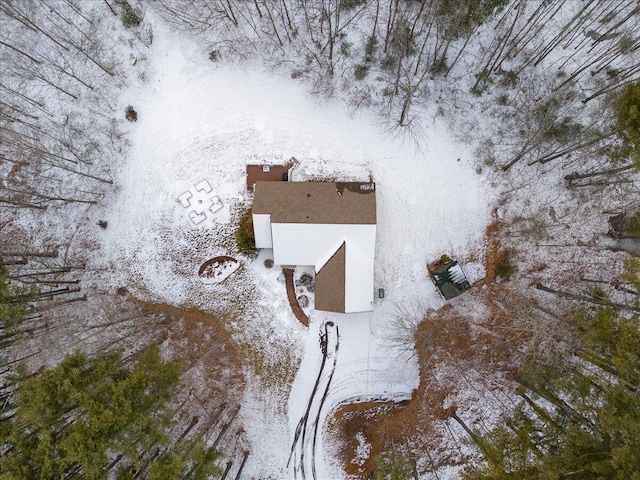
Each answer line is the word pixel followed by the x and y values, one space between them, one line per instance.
pixel 71 421
pixel 391 466
pixel 13 301
pixel 590 427
pixel 628 122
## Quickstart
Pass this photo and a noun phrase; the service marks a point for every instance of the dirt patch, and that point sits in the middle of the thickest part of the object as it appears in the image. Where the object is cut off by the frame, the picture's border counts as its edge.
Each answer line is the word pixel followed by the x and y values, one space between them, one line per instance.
pixel 465 360
pixel 498 262
pixel 191 317
pixel 212 361
pixel 212 382
pixel 456 355
pixel 408 427
pixel 293 299
pixel 363 421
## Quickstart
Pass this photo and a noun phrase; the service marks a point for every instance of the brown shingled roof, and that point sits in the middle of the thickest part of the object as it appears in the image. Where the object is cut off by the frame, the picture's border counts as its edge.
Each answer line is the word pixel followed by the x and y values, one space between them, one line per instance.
pixel 330 283
pixel 316 202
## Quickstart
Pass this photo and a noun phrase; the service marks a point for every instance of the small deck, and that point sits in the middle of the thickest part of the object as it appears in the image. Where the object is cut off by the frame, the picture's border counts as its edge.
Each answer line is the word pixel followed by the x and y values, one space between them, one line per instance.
pixel 266 173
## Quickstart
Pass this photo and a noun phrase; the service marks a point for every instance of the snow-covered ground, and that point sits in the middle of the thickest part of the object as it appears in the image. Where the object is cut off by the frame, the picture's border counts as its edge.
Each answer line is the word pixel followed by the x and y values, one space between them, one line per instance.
pixel 203 120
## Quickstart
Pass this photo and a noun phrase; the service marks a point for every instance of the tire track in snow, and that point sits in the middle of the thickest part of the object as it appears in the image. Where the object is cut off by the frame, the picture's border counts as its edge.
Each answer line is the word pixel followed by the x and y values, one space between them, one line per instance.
pixel 305 438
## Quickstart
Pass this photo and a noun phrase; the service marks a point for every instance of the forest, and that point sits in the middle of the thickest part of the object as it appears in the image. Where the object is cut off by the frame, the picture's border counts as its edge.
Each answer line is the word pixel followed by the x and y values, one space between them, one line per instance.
pixel 534 373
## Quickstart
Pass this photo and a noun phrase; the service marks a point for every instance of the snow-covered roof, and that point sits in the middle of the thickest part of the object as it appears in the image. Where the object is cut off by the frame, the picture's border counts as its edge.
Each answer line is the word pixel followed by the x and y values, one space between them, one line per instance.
pixel 330 226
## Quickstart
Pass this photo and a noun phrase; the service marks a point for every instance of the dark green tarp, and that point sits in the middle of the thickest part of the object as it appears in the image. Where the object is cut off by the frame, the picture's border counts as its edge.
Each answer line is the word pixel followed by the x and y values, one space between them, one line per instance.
pixel 450 279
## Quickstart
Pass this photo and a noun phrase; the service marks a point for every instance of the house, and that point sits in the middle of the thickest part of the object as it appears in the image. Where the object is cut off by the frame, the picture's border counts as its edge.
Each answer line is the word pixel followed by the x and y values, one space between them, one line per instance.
pixel 330 226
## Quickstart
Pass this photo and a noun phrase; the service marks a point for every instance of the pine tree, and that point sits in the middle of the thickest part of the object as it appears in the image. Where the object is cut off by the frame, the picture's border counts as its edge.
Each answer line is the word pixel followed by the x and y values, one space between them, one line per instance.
pixel 628 122
pixel 13 301
pixel 590 428
pixel 72 420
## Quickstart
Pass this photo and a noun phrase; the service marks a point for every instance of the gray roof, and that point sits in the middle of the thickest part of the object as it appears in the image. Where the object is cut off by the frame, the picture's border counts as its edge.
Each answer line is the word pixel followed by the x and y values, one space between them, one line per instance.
pixel 316 202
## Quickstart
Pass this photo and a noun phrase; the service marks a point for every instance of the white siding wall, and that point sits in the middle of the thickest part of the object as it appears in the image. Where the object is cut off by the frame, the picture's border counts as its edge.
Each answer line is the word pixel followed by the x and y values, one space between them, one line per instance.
pixel 358 293
pixel 262 230
pixel 311 244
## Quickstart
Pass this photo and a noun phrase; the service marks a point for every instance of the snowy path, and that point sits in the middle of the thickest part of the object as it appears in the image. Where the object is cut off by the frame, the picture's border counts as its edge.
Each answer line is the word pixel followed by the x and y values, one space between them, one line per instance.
pixel 350 373
pixel 305 445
